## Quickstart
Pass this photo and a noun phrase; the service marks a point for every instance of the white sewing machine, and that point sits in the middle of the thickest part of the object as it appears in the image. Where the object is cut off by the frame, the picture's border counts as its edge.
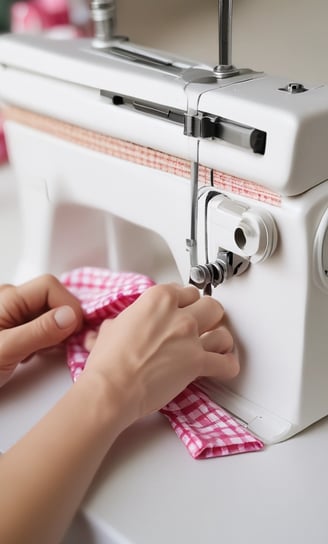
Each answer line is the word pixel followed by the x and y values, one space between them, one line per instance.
pixel 227 166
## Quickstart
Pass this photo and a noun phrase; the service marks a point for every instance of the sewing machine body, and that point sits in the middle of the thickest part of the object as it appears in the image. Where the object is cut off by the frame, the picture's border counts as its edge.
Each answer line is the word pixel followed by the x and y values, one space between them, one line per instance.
pixel 278 308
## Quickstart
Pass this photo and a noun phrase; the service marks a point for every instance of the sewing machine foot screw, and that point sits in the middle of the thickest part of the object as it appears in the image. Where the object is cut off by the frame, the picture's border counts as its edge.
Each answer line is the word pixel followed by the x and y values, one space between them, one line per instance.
pixel 208 274
pixel 226 265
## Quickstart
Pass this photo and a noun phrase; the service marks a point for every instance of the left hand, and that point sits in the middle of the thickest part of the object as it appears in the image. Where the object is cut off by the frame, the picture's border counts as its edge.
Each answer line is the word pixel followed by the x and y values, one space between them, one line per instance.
pixel 36 315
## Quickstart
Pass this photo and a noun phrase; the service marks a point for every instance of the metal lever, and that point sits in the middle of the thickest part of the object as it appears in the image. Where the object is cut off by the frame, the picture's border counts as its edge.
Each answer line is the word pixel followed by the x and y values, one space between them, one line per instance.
pixel 225 67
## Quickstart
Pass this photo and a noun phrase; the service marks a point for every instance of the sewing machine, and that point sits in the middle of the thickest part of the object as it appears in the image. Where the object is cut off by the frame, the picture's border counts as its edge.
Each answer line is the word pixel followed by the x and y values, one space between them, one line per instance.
pixel 223 171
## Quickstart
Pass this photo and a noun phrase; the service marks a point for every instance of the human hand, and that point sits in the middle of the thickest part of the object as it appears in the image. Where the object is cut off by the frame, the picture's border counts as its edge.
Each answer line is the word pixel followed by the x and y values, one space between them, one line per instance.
pixel 156 347
pixel 36 315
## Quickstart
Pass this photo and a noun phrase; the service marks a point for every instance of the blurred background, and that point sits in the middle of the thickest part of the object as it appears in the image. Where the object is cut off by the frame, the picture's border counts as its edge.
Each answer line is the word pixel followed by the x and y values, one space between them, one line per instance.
pixel 280 37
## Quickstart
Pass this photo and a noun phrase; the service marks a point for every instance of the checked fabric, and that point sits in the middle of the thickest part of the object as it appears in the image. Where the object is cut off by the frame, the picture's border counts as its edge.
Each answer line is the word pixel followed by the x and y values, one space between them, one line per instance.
pixel 204 428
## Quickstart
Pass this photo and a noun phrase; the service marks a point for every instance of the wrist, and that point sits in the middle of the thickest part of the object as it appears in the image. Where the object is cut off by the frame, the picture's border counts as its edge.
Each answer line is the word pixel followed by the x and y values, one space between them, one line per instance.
pixel 109 408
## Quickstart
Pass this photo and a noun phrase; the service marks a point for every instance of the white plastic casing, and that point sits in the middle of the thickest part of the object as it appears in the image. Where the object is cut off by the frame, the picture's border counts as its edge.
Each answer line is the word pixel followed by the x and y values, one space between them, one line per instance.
pixel 245 230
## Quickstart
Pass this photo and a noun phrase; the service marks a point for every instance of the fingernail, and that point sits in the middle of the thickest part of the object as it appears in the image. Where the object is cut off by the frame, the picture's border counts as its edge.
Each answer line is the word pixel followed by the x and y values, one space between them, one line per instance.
pixel 65 317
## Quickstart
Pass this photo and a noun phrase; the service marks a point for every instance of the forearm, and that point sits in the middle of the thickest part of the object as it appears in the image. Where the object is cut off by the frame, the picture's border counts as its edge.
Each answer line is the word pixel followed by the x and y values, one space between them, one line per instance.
pixel 46 474
pixel 140 361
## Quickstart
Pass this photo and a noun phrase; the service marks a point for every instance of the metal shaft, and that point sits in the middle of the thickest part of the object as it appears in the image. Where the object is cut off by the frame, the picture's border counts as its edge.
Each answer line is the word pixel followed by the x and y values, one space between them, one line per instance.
pixel 225 27
pixel 225 67
pixel 104 18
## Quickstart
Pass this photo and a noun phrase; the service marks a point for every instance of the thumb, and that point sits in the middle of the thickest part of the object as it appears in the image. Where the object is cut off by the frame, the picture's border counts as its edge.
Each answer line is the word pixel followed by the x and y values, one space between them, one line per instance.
pixel 45 331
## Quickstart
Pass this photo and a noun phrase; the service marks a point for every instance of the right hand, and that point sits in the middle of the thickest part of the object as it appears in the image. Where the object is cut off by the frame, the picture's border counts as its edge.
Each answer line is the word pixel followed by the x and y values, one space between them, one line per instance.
pixel 160 344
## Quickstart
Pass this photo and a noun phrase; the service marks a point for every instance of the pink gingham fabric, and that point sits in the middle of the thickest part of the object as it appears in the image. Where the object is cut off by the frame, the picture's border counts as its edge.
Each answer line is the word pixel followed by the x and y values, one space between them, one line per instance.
pixel 103 295
pixel 204 428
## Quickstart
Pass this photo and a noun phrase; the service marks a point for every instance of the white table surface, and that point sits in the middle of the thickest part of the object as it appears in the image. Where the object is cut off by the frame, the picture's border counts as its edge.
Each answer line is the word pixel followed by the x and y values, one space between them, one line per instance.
pixel 149 489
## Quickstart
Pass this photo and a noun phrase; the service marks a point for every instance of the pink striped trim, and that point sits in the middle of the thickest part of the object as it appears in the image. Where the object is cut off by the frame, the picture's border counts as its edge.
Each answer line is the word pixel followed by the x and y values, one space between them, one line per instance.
pixel 144 156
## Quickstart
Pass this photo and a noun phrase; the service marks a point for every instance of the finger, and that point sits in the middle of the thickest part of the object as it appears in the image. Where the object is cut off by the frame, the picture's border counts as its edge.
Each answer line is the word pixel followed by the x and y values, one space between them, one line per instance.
pixel 46 292
pixel 48 330
pixel 5 375
pixel 187 295
pixel 221 366
pixel 219 341
pixel 5 286
pixel 162 298
pixel 208 313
